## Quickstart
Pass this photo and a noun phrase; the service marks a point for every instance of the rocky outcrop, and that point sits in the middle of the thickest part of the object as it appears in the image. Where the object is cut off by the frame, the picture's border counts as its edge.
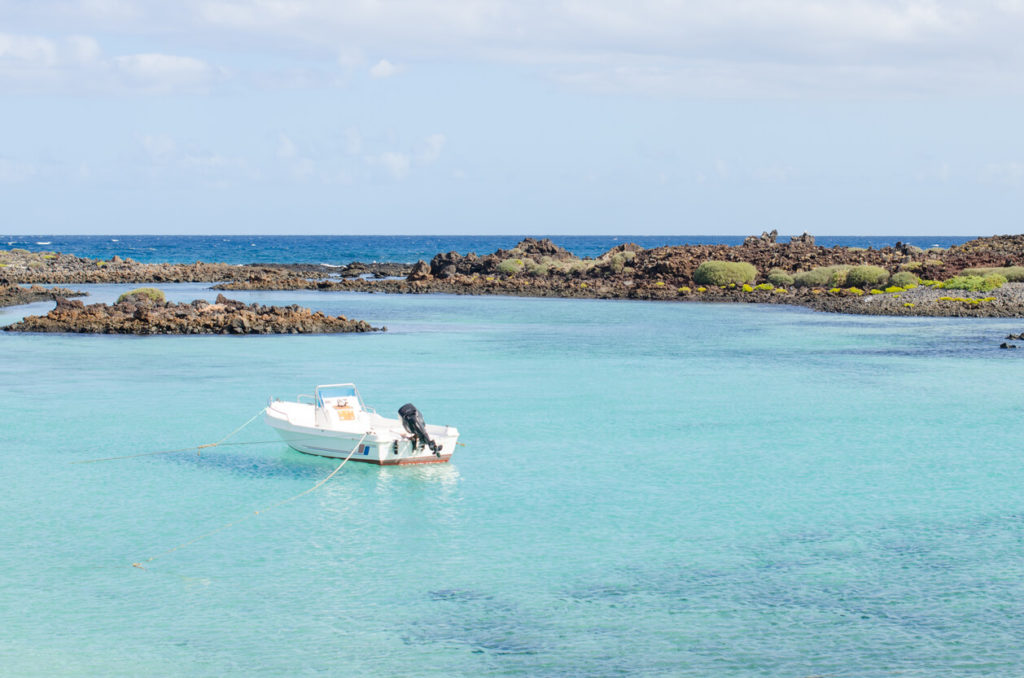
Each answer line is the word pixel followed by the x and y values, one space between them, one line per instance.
pixel 20 266
pixel 627 271
pixel 14 295
pixel 421 271
pixel 140 315
pixel 765 239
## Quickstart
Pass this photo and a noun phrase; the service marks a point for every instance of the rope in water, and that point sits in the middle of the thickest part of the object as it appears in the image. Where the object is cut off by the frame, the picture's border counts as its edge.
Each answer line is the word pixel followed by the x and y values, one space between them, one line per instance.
pixel 182 449
pixel 254 513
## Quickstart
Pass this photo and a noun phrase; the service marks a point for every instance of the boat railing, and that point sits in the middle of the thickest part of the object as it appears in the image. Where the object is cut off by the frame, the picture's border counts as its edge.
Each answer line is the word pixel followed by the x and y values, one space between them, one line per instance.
pixel 286 413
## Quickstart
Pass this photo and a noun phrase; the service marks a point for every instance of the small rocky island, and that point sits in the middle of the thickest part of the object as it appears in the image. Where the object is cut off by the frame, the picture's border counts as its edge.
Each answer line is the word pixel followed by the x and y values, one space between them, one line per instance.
pixel 145 311
pixel 15 295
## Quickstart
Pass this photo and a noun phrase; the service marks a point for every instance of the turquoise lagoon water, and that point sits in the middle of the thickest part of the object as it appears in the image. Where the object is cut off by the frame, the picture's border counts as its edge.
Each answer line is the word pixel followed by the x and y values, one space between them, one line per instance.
pixel 646 489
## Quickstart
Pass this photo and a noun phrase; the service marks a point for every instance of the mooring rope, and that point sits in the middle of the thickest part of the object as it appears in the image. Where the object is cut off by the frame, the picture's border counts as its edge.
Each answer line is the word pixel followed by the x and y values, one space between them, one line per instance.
pixel 183 449
pixel 254 513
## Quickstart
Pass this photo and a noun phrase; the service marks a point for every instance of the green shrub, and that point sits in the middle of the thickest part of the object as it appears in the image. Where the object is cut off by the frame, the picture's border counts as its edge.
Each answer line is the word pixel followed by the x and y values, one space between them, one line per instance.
pixel 766 287
pixel 823 276
pixel 975 283
pixel 747 288
pixel 779 278
pixel 877 292
pixel 510 266
pixel 1011 273
pixel 855 291
pixel 535 269
pixel 150 293
pixel 867 276
pixel 724 273
pixel 903 278
pixel 894 288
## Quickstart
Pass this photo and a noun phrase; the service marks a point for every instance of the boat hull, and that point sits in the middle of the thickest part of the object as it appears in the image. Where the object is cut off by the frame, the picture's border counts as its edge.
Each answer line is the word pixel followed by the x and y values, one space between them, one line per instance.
pixel 383 450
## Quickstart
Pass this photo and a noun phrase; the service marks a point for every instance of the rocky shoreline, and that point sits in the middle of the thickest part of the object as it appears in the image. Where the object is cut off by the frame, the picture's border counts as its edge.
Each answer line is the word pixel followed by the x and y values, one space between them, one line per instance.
pixel 541 268
pixel 15 295
pixel 138 314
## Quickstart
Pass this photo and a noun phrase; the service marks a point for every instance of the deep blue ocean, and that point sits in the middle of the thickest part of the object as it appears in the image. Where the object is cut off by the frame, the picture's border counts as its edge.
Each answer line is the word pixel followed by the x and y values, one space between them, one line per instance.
pixel 343 249
pixel 646 489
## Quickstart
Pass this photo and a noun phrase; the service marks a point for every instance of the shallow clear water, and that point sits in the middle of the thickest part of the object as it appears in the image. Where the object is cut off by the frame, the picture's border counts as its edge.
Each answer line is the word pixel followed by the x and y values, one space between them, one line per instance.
pixel 646 488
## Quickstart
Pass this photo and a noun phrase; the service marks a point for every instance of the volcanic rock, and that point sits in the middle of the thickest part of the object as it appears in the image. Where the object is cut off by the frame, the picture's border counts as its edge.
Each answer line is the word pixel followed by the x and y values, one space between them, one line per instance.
pixel 139 315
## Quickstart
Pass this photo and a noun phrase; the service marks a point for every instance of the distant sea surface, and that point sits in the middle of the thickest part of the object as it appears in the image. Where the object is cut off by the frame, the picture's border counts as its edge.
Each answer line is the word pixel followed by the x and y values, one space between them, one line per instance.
pixel 343 249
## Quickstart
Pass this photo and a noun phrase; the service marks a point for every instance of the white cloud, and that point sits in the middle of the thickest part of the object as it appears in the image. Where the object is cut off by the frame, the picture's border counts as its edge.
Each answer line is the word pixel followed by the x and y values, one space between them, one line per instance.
pixel 1009 174
pixel 166 158
pixel 774 46
pixel 430 149
pixel 161 73
pixel 298 166
pixel 158 146
pixel 28 49
pixel 286 147
pixel 397 164
pixel 14 171
pixel 77 64
pixel 384 69
pixel 726 48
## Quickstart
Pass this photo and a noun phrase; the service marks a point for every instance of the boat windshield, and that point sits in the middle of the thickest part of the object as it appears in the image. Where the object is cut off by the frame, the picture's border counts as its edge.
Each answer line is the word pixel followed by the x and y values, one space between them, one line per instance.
pixel 337 391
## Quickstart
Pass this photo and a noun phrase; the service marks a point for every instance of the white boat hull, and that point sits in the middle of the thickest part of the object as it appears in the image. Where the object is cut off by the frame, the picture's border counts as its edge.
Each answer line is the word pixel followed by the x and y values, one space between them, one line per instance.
pixel 375 441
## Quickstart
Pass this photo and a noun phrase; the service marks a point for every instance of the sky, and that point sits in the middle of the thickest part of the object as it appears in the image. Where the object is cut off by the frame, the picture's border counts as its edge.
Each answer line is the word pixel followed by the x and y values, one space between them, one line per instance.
pixel 853 117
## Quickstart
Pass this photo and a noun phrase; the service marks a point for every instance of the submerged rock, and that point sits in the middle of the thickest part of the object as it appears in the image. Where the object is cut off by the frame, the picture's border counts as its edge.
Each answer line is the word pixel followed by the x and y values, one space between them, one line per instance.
pixel 138 315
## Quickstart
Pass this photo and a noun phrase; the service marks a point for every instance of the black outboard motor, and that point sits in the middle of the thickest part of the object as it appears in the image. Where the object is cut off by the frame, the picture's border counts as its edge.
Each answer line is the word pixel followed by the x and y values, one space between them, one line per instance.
pixel 412 421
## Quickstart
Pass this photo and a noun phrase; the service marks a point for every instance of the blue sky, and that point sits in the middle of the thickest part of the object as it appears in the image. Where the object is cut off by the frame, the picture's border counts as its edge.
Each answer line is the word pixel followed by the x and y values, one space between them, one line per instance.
pixel 493 116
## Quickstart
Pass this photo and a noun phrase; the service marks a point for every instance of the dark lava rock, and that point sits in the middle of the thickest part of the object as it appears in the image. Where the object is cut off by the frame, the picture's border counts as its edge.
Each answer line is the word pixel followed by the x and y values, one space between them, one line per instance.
pixel 15 295
pixel 421 271
pixel 139 315
pixel 765 239
pixel 1005 345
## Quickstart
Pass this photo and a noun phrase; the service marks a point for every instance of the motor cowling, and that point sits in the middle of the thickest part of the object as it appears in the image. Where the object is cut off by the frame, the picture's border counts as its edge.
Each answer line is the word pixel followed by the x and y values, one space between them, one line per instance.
pixel 413 422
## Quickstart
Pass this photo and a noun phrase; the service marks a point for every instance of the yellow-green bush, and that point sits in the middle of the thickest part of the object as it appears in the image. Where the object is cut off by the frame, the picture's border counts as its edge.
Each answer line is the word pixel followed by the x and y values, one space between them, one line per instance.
pixel 779 278
pixel 150 293
pixel 822 276
pixel 510 266
pixel 724 273
pixel 867 276
pixel 1011 273
pixel 975 283
pixel 903 278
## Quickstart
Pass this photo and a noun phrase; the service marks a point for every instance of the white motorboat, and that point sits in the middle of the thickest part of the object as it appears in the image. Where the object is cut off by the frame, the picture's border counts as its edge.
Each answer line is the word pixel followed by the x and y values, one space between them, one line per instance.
pixel 334 422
